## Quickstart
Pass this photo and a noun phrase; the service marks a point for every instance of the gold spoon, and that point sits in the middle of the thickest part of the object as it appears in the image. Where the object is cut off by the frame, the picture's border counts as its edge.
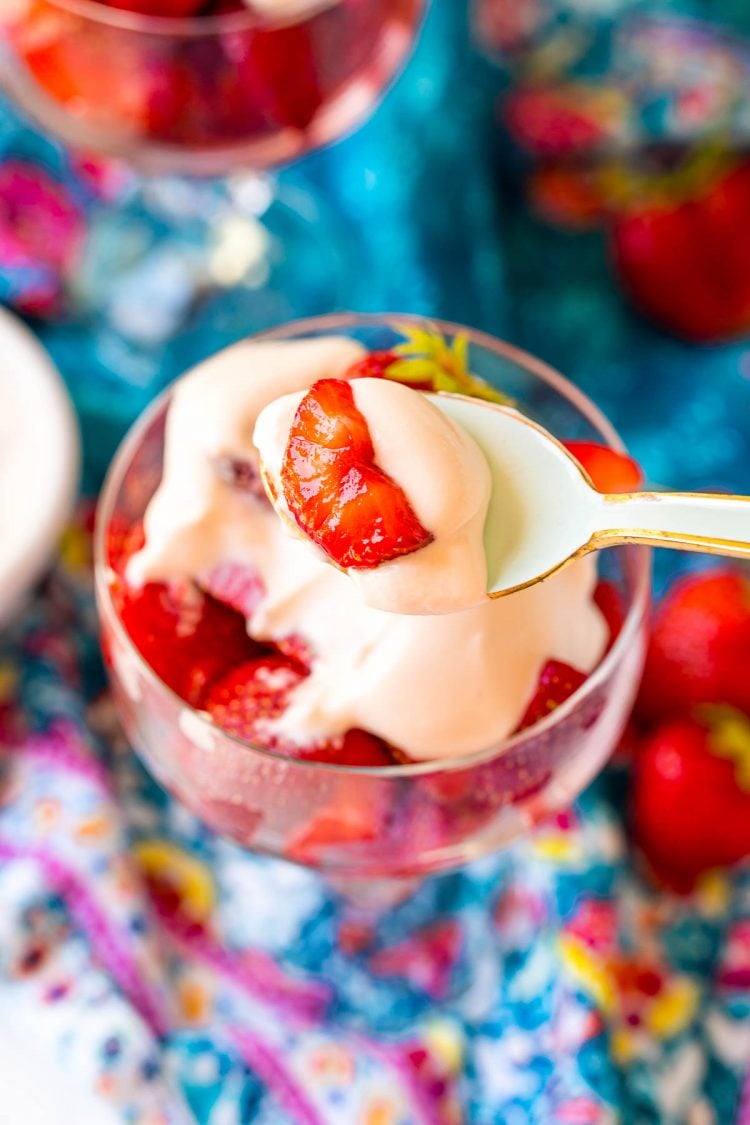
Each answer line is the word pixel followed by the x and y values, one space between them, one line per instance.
pixel 544 511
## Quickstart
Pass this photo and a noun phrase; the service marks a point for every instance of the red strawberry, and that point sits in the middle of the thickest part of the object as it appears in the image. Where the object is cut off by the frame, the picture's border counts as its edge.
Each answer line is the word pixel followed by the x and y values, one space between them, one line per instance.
pixel 188 639
pixel 699 651
pixel 251 694
pixel 691 796
pixel 609 470
pixel 610 603
pixel 334 489
pixel 372 366
pixel 245 700
pixel 557 682
pixel 686 263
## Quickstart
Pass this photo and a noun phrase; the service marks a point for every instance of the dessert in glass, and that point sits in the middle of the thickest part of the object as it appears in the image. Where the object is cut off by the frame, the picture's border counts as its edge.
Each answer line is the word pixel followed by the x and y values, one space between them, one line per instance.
pixel 203 86
pixel 323 678
pixel 210 88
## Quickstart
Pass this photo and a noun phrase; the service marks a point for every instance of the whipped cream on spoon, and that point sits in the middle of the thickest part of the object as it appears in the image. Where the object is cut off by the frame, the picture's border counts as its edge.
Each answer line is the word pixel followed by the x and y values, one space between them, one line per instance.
pixel 544 512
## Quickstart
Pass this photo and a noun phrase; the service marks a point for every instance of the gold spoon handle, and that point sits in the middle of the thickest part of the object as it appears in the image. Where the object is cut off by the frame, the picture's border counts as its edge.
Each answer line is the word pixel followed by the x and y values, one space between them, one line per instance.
pixel 711 523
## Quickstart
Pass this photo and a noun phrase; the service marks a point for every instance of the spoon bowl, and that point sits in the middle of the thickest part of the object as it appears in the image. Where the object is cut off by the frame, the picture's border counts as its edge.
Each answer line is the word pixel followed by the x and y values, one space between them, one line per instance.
pixel 545 512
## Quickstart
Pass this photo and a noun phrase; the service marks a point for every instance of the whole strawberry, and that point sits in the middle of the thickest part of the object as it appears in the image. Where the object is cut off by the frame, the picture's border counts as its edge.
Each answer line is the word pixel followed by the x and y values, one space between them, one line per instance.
pixel 699 651
pixel 691 795
pixel 685 260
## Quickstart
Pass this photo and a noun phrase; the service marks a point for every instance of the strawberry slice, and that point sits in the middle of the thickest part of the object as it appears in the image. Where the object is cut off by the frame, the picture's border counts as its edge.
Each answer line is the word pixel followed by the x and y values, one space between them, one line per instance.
pixel 245 702
pixel 557 682
pixel 609 470
pixel 335 491
pixel 188 639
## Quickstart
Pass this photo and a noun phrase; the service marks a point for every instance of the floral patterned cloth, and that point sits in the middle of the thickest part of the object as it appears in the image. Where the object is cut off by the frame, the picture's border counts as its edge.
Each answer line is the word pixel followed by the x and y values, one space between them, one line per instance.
pixel 181 980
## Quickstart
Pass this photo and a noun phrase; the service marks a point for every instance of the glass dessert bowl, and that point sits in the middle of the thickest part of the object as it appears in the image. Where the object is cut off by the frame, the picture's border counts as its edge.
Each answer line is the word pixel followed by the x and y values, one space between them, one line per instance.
pixel 357 806
pixel 211 87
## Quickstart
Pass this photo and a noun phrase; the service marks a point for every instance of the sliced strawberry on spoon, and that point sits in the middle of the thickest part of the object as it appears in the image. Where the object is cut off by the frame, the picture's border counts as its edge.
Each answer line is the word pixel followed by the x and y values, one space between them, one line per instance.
pixel 336 493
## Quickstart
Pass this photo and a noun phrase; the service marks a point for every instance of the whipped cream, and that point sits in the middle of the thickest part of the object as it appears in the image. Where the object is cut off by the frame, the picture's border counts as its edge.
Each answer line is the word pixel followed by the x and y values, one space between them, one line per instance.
pixel 435 686
pixel 289 9
pixel 446 481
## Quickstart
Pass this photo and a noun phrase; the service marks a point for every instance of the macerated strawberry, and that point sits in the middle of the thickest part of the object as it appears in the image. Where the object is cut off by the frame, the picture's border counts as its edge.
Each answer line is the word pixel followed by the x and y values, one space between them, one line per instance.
pixel 251 694
pixel 609 470
pixel 247 700
pixel 188 639
pixel 335 491
pixel 557 682
pixel 699 650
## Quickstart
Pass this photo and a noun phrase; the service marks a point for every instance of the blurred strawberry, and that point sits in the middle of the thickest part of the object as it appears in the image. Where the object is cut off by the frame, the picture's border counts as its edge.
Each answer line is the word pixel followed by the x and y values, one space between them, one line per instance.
pixel 557 682
pixel 691 796
pixel 567 196
pixel 685 262
pixel 559 120
pixel 74 68
pixel 699 651
pixel 351 817
pixel 609 470
pixel 282 64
